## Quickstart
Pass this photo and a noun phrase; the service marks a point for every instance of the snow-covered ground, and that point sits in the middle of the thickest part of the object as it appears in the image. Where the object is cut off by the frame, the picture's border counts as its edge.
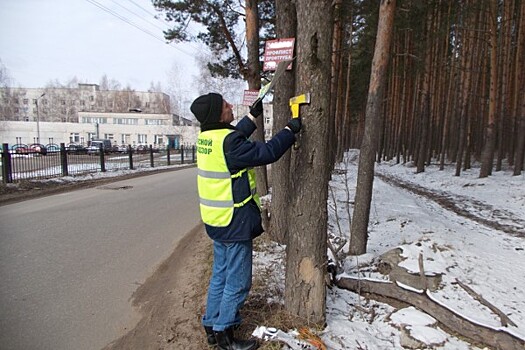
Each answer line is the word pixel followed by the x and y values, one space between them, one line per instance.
pixel 476 236
pixel 468 229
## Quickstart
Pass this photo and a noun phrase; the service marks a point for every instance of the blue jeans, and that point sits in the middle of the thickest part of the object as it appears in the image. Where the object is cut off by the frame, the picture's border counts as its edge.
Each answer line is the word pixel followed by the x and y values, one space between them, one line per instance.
pixel 230 283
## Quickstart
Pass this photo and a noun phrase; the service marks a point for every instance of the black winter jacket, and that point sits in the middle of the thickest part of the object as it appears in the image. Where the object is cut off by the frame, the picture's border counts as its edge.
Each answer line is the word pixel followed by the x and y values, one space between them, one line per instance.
pixel 242 153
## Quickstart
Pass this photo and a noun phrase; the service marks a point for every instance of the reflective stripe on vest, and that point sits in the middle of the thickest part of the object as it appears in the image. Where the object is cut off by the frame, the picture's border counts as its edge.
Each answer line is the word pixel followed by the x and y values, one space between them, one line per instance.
pixel 215 181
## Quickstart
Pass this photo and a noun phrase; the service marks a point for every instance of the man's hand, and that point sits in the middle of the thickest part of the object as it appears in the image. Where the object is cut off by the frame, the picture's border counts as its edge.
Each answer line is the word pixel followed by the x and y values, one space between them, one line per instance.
pixel 257 110
pixel 294 125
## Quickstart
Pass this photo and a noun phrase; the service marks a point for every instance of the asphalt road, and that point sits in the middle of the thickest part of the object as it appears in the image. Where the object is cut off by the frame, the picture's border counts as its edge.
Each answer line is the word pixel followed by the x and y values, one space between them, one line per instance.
pixel 69 263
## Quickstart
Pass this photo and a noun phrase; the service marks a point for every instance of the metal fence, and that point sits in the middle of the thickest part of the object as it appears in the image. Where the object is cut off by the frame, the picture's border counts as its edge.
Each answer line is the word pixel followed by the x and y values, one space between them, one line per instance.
pixel 20 162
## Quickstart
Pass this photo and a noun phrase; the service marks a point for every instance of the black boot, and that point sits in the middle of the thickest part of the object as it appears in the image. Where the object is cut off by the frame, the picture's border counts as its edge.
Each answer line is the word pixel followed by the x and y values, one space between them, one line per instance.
pixel 210 335
pixel 226 341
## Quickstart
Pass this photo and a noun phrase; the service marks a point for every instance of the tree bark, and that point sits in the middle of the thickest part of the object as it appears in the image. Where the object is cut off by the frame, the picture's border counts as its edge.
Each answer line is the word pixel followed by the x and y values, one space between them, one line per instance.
pixel 487 157
pixel 254 81
pixel 286 27
pixel 365 177
pixel 336 117
pixel 505 135
pixel 520 95
pixel 305 292
pixel 465 82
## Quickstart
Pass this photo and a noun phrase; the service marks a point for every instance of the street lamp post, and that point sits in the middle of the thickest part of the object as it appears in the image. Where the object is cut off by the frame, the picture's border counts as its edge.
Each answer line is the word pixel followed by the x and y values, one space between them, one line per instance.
pixel 38 119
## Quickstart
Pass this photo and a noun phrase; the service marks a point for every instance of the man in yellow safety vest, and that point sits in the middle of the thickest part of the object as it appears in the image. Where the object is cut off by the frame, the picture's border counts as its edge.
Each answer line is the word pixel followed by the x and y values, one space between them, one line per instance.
pixel 230 207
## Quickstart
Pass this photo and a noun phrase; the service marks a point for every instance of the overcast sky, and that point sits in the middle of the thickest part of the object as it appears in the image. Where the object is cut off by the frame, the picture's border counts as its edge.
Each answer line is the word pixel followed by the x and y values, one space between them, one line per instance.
pixel 44 40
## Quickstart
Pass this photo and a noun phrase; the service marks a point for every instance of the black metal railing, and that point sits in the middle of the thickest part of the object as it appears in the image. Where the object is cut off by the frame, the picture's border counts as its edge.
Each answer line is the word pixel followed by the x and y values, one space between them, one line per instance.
pixel 20 162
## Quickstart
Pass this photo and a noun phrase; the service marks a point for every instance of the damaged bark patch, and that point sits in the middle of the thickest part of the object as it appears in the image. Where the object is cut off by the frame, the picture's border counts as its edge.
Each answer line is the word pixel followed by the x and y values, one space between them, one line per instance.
pixel 306 270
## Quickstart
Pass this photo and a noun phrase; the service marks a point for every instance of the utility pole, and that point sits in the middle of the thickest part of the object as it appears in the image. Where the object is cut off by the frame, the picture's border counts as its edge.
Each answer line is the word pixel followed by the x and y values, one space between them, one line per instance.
pixel 38 119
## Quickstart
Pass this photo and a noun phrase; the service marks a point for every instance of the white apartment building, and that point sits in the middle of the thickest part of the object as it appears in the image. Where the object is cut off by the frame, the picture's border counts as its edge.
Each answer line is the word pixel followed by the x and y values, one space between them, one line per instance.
pixel 78 115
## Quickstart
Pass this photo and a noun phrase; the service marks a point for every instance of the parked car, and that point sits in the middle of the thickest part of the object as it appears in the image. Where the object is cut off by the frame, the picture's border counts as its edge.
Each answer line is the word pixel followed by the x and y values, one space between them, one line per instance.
pixel 35 148
pixel 52 148
pixel 95 145
pixel 73 148
pixel 142 149
pixel 122 149
pixel 38 148
pixel 20 149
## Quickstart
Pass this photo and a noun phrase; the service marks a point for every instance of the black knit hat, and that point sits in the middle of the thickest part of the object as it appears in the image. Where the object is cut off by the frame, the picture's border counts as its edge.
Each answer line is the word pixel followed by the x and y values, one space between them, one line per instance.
pixel 207 108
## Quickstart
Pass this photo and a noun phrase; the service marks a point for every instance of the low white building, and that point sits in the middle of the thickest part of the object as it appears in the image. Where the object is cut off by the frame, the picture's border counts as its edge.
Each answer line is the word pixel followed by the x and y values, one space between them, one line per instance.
pixel 142 133
pixel 78 115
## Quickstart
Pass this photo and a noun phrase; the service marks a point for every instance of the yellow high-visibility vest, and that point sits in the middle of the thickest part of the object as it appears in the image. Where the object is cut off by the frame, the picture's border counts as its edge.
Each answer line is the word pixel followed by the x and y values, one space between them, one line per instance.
pixel 214 180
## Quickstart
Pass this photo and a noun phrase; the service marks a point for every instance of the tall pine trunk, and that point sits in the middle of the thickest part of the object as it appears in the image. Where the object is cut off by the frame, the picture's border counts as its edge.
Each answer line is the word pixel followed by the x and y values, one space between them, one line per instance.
pixel 487 157
pixel 305 292
pixel 465 83
pixel 254 81
pixel 520 95
pixel 365 177
pixel 286 27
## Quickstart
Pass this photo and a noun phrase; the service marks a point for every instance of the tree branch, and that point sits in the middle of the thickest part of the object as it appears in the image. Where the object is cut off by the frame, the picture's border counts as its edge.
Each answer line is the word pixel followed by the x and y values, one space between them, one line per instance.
pixel 229 38
pixel 497 338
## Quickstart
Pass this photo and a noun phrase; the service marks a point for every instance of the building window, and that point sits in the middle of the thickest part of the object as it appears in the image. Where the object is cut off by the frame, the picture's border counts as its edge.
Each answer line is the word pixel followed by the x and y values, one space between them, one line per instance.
pixel 91 136
pixel 74 137
pixel 126 121
pixel 154 122
pixel 26 101
pixel 147 104
pixel 125 139
pixel 267 120
pixel 159 140
pixel 142 138
pixel 94 120
pixel 82 102
pixel 109 137
pixel 91 98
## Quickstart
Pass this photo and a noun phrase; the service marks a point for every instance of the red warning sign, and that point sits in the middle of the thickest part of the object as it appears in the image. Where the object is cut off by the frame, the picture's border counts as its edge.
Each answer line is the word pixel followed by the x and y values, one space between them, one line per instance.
pixel 276 51
pixel 249 97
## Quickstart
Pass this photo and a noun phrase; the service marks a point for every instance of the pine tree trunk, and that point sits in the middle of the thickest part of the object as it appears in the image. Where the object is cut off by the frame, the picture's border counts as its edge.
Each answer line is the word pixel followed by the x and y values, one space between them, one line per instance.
pixel 336 118
pixel 425 99
pixel 254 81
pixel 447 87
pixel 465 82
pixel 286 27
pixel 520 95
pixel 365 178
pixel 347 129
pixel 505 62
pixel 305 290
pixel 487 157
pixel 347 122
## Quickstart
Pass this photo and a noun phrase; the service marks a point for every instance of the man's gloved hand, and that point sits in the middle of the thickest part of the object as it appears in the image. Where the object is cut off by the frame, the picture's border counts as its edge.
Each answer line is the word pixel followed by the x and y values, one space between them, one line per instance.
pixel 257 110
pixel 295 125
